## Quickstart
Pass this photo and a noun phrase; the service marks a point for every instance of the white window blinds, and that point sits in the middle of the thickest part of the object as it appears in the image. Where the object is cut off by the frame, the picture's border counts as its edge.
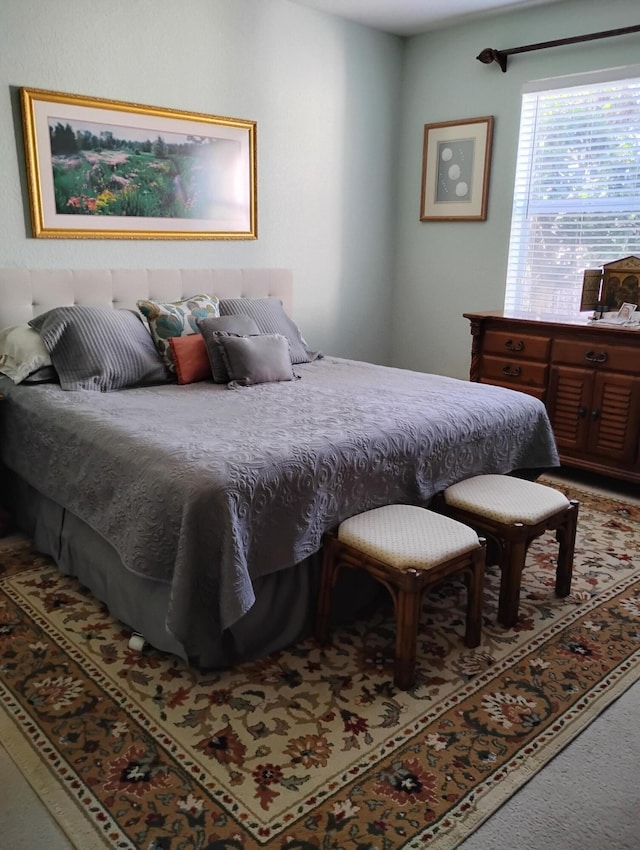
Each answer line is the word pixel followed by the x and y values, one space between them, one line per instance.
pixel 576 199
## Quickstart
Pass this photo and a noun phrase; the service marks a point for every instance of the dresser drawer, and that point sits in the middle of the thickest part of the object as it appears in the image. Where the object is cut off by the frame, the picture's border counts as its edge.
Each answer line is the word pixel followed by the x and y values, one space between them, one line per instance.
pixel 515 345
pixel 514 372
pixel 619 358
pixel 536 392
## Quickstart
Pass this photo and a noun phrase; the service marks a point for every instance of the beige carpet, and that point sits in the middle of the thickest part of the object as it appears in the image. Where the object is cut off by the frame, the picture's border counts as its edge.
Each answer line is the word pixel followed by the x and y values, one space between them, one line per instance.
pixel 311 746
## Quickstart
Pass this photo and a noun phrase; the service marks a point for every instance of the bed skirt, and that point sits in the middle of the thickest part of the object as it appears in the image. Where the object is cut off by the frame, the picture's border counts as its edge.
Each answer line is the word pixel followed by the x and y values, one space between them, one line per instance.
pixel 282 614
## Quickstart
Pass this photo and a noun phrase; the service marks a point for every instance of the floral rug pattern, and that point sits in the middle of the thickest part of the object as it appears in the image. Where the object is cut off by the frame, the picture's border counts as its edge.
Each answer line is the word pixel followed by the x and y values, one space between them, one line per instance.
pixel 314 747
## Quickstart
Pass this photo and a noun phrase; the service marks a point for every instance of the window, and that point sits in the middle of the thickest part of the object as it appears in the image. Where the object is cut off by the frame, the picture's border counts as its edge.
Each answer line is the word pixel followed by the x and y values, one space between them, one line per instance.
pixel 576 199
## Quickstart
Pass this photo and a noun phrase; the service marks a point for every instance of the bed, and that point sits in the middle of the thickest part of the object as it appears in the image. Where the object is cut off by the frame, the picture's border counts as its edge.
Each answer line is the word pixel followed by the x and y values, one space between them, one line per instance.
pixel 196 513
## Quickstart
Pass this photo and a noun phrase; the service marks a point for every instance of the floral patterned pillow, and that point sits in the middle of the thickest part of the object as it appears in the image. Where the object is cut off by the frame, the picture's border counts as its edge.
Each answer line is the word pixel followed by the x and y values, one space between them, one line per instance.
pixel 176 318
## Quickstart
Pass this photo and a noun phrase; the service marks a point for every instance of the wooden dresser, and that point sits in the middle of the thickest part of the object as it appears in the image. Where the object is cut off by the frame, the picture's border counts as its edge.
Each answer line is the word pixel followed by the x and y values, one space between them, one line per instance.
pixel 588 376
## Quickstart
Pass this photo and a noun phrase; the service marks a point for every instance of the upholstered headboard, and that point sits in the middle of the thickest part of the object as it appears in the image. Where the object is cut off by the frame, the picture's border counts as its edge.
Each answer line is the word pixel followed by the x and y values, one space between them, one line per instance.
pixel 25 293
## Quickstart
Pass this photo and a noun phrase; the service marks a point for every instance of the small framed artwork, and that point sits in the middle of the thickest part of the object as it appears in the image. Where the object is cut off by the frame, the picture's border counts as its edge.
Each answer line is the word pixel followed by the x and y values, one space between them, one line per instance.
pixel 625 312
pixel 456 162
pixel 590 296
pixel 105 169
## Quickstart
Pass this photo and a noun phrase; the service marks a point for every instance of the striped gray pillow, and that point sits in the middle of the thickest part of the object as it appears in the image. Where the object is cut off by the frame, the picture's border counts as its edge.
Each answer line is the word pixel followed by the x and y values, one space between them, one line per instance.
pixel 96 348
pixel 270 317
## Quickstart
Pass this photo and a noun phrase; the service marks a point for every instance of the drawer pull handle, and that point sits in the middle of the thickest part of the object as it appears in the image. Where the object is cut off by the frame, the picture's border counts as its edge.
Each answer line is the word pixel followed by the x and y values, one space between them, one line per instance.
pixel 595 414
pixel 510 345
pixel 511 372
pixel 582 411
pixel 592 357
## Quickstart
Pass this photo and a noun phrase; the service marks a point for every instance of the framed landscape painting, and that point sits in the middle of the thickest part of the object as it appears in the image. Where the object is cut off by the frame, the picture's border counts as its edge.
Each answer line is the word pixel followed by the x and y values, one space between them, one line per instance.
pixel 456 159
pixel 105 169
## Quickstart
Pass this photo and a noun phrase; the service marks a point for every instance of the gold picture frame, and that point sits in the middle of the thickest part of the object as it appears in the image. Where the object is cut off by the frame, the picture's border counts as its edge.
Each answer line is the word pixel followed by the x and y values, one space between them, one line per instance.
pixel 456 162
pixel 106 169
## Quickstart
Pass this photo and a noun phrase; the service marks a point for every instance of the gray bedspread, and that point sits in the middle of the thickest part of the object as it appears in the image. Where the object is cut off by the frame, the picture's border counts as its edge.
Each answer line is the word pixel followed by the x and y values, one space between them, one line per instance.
pixel 204 487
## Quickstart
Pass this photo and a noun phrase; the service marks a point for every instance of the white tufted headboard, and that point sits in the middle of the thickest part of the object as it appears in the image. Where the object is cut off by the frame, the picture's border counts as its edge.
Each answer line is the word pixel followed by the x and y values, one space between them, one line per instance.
pixel 25 293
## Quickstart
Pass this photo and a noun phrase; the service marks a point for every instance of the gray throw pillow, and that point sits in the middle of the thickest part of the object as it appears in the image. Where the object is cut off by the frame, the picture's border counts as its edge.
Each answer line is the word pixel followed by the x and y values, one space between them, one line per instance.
pixel 270 317
pixel 96 348
pixel 257 359
pixel 230 324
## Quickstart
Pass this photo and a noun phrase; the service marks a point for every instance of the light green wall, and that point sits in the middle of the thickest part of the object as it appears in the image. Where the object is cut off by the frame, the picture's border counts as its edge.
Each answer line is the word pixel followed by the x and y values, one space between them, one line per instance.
pixel 446 268
pixel 324 93
pixel 340 110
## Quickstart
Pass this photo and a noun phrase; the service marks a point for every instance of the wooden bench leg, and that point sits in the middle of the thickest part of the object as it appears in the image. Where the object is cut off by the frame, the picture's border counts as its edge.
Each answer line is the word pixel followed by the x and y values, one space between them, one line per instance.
pixel 475 595
pixel 514 553
pixel 566 537
pixel 407 617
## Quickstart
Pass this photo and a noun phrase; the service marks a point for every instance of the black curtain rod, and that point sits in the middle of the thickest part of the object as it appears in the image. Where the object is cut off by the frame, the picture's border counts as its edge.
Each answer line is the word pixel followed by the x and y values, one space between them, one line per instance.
pixel 489 54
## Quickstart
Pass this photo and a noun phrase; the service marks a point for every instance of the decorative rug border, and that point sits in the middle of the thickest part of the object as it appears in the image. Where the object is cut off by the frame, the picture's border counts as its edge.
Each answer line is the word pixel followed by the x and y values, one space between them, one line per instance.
pixel 519 772
pixel 79 829
pixel 557 478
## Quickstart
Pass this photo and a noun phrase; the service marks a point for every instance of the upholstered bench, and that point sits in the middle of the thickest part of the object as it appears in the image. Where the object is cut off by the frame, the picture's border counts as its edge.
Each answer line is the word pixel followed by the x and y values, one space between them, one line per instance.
pixel 513 512
pixel 407 549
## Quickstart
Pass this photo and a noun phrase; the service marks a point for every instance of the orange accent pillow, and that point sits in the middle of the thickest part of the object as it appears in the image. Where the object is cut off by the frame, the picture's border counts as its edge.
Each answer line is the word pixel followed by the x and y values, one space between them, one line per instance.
pixel 191 358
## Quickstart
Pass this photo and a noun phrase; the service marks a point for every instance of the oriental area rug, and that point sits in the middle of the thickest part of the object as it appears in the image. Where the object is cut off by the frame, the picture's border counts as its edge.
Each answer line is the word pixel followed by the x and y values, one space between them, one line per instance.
pixel 313 747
